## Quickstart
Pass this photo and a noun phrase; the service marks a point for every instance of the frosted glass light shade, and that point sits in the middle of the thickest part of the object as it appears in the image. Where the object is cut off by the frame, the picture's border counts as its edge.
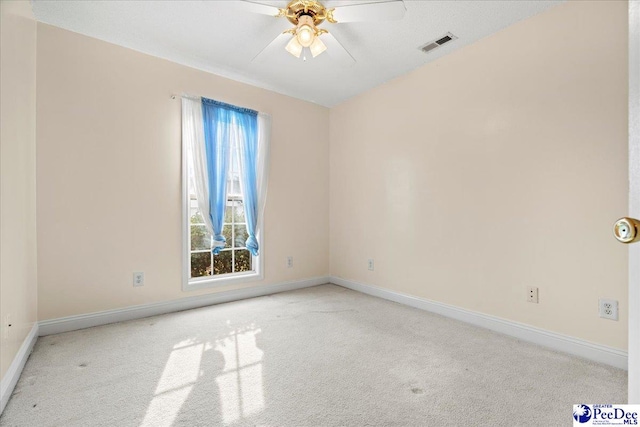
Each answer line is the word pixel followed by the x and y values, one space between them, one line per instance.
pixel 305 35
pixel 294 47
pixel 317 47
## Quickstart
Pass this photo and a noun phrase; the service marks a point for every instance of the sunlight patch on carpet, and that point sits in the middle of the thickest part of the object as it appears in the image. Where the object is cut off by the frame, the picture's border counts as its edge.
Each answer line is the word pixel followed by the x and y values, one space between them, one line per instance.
pixel 178 378
pixel 240 383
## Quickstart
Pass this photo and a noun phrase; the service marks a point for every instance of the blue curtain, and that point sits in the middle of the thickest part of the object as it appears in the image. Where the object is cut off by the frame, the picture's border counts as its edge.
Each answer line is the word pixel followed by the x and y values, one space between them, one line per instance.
pixel 221 122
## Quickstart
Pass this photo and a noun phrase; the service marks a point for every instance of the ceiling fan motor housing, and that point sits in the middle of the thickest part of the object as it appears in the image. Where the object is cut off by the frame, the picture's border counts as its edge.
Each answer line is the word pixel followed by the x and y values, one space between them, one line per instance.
pixel 311 8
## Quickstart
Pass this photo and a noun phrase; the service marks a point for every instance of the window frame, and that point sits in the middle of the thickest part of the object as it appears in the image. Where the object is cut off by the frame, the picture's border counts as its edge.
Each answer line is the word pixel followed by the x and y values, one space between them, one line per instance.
pixel 191 284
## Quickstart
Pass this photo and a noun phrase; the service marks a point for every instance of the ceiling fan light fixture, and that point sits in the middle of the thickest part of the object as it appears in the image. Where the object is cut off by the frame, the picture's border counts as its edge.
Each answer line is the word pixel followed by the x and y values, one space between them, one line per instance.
pixel 306 31
pixel 317 47
pixel 294 47
pixel 307 16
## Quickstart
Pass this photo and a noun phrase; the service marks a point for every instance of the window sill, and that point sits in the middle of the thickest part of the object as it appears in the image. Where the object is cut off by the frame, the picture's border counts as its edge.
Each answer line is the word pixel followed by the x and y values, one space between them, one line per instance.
pixel 194 284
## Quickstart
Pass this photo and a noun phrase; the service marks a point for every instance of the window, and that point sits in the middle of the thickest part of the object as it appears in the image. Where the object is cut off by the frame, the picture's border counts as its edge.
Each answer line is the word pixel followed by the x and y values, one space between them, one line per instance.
pixel 224 180
pixel 234 258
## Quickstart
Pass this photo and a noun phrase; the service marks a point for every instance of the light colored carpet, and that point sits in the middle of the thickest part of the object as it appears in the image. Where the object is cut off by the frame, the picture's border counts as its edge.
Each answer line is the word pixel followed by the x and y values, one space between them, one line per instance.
pixel 323 356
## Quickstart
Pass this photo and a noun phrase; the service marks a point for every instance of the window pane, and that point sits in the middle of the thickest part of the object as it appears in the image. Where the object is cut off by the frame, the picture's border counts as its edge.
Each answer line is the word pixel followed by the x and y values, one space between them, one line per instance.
pixel 239 211
pixel 243 261
pixel 233 184
pixel 241 236
pixel 200 238
pixel 222 263
pixel 228 211
pixel 201 264
pixel 196 218
pixel 226 232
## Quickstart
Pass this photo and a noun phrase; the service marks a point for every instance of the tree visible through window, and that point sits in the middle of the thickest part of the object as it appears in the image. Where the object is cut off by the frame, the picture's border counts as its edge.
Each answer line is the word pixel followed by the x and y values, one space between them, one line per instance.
pixel 234 258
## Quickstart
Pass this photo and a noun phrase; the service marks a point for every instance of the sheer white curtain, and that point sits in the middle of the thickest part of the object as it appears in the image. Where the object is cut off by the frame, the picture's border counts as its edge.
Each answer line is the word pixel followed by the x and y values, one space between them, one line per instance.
pixel 262 167
pixel 193 136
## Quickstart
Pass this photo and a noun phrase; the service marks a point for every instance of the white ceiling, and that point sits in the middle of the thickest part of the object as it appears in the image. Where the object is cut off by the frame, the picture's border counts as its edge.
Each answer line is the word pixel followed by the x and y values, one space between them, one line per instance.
pixel 222 38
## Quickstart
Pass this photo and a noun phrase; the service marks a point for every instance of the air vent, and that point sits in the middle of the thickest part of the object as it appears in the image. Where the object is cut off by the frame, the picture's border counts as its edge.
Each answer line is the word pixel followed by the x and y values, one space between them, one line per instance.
pixel 437 43
pixel 429 47
pixel 443 40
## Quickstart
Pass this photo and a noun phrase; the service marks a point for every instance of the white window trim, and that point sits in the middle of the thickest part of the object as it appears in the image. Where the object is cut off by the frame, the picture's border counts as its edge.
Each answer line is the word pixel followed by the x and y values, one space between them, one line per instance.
pixel 189 284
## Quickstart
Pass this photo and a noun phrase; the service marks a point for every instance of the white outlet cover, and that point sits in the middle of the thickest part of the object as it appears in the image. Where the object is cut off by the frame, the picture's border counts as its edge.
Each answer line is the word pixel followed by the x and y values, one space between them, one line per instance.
pixel 608 308
pixel 138 278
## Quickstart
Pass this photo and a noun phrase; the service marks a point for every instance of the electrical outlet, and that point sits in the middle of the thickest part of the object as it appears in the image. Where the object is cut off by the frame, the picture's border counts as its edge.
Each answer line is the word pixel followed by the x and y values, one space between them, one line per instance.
pixel 532 294
pixel 608 308
pixel 370 264
pixel 138 278
pixel 289 262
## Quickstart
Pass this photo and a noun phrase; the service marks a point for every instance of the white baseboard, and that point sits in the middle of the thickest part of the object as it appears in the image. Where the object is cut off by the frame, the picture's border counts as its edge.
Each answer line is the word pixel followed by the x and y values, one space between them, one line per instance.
pixel 72 323
pixel 566 344
pixel 12 375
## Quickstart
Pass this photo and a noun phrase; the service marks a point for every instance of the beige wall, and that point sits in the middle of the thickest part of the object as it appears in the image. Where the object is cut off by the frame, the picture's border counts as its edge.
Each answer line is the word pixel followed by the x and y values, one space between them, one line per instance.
pixel 18 269
pixel 109 200
pixel 500 166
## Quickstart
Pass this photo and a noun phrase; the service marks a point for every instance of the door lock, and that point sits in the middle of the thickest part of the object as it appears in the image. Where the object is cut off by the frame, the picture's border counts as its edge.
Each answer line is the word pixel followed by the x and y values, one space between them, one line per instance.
pixel 627 230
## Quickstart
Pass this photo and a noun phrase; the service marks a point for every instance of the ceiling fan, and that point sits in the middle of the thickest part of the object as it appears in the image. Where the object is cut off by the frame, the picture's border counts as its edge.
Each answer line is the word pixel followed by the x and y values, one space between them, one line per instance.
pixel 307 15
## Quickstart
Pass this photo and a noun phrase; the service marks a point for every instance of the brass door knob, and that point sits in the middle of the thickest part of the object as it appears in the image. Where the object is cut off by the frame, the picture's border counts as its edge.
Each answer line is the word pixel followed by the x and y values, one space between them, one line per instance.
pixel 627 230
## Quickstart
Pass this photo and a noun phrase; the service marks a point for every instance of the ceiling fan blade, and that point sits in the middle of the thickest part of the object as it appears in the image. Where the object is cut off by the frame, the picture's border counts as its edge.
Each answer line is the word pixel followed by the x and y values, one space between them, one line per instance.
pixel 261 8
pixel 336 51
pixel 370 12
pixel 277 43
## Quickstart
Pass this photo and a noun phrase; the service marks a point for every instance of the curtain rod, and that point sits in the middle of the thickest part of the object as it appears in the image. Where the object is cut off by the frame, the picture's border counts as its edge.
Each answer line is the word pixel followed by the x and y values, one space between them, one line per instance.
pixel 184 95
